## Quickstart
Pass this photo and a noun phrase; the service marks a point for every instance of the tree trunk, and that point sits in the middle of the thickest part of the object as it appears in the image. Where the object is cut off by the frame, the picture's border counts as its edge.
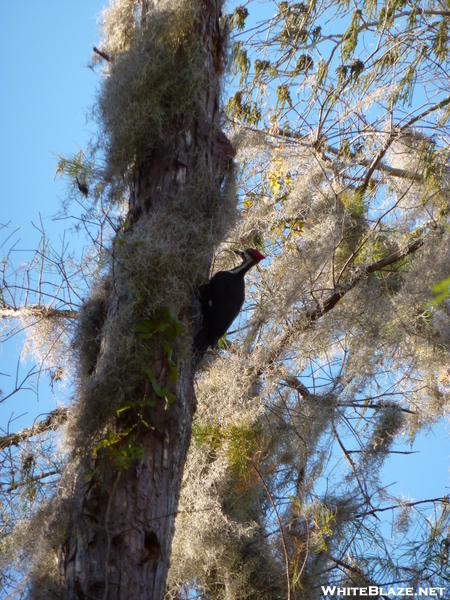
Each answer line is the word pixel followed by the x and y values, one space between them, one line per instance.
pixel 119 542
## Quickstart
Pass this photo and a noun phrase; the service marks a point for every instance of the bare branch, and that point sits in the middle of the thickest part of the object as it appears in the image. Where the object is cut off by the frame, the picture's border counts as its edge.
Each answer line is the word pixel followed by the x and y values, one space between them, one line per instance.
pixel 36 311
pixel 395 134
pixel 443 500
pixel 286 555
pixel 33 479
pixel 54 420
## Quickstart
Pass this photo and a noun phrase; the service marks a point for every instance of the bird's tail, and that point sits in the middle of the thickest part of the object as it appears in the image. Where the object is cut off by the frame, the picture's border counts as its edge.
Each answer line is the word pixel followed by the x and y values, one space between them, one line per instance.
pixel 201 345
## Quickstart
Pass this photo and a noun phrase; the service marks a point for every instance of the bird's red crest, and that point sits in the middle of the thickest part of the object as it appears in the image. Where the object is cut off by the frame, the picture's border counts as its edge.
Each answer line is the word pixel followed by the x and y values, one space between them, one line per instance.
pixel 256 254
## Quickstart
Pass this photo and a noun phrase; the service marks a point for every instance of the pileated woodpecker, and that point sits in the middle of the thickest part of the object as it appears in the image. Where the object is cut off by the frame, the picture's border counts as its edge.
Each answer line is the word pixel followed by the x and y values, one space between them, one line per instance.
pixel 221 300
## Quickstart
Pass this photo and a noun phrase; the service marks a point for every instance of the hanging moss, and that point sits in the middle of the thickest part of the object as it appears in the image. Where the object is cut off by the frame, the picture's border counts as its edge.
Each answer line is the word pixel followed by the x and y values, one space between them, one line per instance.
pixel 152 88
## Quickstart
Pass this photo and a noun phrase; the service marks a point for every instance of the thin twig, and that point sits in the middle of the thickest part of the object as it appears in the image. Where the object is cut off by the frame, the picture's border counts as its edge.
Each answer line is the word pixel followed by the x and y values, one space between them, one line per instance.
pixel 286 555
pixel 34 479
pixel 443 499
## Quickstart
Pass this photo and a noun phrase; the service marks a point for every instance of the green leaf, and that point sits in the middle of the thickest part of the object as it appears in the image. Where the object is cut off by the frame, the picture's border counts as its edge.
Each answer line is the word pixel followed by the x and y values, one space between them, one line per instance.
pixel 159 391
pixel 109 439
pixel 438 299
pixel 72 166
pixel 441 286
pixel 168 325
pixel 169 400
pixel 132 450
pixel 170 396
pixel 174 328
pixel 168 352
pixel 173 373
pixel 222 343
pixel 90 475
pixel 123 406
pixel 172 368
pixel 441 292
pixel 147 328
pixel 148 374
pixel 144 327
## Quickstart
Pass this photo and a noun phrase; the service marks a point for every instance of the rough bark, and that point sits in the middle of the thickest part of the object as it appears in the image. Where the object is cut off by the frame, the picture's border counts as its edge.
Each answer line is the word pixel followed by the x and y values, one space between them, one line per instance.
pixel 119 543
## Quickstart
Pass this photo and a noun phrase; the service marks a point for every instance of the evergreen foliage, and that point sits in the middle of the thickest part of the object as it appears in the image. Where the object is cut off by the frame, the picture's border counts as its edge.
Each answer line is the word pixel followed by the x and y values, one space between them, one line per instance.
pixel 341 355
pixel 340 122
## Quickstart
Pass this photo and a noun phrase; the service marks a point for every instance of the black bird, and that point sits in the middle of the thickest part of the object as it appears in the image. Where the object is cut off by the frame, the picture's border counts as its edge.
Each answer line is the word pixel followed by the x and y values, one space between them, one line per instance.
pixel 221 300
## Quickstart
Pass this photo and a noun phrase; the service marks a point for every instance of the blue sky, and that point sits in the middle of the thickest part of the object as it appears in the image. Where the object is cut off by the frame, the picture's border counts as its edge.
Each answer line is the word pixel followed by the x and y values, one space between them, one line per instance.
pixel 47 91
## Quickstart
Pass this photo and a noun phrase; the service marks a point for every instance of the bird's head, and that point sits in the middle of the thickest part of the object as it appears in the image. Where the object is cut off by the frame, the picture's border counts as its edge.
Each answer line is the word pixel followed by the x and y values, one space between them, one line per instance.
pixel 250 255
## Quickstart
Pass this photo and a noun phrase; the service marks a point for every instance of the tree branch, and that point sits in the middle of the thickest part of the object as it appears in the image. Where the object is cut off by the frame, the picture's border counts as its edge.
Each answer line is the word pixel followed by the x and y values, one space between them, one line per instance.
pixel 34 479
pixel 394 135
pixel 37 312
pixel 102 54
pixel 444 499
pixel 359 273
pixel 283 541
pixel 297 385
pixel 305 141
pixel 330 302
pixel 51 423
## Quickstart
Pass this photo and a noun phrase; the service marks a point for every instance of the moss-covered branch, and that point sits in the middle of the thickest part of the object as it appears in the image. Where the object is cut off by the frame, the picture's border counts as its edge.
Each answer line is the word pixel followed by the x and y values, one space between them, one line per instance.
pixel 53 421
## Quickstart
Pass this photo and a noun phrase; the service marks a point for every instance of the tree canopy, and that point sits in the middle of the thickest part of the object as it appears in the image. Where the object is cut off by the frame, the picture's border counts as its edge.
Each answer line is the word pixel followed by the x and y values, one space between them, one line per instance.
pixel 339 116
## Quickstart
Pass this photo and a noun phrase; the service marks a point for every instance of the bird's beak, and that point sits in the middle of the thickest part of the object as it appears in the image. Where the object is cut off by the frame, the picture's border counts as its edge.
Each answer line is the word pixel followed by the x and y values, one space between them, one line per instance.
pixel 240 254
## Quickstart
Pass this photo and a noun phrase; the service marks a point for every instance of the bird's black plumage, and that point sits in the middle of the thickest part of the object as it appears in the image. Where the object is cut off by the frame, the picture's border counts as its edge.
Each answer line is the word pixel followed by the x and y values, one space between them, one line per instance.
pixel 221 300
